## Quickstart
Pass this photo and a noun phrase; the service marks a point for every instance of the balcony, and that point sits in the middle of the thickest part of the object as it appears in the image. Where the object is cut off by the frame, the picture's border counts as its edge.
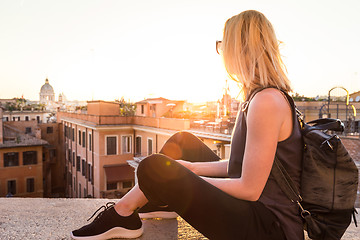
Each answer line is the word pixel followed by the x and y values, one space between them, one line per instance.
pixel 40 218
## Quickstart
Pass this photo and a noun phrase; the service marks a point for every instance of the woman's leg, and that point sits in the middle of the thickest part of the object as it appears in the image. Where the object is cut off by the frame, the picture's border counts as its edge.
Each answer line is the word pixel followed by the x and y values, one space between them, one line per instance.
pixel 133 200
pixel 186 146
pixel 214 213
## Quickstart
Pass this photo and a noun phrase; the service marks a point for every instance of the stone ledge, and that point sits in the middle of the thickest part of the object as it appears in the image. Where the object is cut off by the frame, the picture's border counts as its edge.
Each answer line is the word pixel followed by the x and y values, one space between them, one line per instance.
pixel 41 218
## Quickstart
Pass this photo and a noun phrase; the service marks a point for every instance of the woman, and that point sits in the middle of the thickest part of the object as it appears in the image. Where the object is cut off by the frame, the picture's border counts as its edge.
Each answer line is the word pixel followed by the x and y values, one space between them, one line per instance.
pixel 238 199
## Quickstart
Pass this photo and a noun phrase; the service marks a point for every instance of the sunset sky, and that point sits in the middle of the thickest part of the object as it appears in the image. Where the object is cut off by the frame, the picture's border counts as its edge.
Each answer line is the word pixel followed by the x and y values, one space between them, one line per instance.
pixel 161 48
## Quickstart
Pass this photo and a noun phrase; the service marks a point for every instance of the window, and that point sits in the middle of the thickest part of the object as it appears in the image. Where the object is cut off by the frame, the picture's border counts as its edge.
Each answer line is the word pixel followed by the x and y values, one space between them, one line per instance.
pixel 78 163
pixel 126 144
pixel 90 143
pixel 79 190
pixel 52 153
pixel 150 147
pixel 6 119
pixel 142 109
pixel 73 134
pixel 69 155
pixel 74 185
pixel 38 119
pixel 111 186
pixel 16 119
pixel 69 179
pixel 65 131
pixel 11 159
pixel 89 172
pixel 30 186
pixel 49 130
pixel 73 158
pixel 92 174
pixel 138 146
pixel 111 145
pixel 26 118
pixel 27 130
pixel 79 137
pixel 83 167
pixel 127 184
pixel 84 139
pixel 29 157
pixel 11 187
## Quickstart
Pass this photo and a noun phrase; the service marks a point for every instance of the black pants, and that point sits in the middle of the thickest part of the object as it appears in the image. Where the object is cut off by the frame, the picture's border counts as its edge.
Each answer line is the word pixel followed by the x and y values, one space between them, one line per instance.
pixel 212 212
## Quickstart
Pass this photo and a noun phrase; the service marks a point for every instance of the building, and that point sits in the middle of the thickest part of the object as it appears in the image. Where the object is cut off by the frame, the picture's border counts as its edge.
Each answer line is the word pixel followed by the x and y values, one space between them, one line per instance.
pixel 98 145
pixel 53 159
pixel 21 162
pixel 159 107
pixel 43 140
pixel 47 93
pixel 355 97
pixel 4 101
pixel 25 115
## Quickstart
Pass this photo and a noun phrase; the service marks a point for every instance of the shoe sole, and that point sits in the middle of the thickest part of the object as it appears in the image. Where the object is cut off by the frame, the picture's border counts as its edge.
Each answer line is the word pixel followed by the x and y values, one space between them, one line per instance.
pixel 117 232
pixel 159 214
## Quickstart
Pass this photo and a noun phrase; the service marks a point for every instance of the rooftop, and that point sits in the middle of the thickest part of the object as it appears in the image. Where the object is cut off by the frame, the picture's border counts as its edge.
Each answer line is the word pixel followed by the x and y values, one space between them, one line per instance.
pixel 13 137
pixel 55 218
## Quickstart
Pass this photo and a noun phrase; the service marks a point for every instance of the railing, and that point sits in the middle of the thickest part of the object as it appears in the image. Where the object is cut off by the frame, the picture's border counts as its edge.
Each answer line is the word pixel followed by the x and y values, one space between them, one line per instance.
pixel 166 123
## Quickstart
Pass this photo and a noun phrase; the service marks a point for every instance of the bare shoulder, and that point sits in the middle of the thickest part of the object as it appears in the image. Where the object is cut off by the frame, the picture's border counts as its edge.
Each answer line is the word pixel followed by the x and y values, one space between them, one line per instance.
pixel 269 99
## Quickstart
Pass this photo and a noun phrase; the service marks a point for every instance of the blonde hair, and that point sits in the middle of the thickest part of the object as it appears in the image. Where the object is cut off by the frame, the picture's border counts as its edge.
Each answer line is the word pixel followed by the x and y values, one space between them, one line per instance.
pixel 251 53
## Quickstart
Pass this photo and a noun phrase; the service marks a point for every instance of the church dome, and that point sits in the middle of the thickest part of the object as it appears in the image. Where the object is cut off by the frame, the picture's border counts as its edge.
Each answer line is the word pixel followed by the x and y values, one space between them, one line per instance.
pixel 47 93
pixel 46 88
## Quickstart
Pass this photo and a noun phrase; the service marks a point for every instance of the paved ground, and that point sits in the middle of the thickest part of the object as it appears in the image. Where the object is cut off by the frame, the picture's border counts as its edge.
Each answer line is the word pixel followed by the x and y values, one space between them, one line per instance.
pixel 39 218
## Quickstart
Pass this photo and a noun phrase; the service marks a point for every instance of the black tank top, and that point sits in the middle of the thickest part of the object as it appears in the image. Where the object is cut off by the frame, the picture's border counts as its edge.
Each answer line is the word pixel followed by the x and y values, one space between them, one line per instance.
pixel 289 153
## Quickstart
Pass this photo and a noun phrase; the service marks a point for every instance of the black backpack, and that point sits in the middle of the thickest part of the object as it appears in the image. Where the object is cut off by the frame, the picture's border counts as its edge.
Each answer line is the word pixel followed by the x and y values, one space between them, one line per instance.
pixel 329 179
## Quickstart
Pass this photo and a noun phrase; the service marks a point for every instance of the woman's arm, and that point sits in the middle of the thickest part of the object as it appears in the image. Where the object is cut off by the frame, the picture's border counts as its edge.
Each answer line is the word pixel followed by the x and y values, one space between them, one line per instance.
pixel 269 120
pixel 210 169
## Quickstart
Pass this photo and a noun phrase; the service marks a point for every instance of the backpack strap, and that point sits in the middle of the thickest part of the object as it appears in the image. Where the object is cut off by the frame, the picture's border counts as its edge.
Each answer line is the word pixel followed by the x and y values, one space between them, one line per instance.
pixel 245 105
pixel 324 124
pixel 284 181
pixel 278 170
pixel 287 185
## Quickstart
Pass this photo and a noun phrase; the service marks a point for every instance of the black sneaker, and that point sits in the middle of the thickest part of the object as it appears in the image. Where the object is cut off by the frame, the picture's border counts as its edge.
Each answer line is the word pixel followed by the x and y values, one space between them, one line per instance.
pixel 153 211
pixel 109 224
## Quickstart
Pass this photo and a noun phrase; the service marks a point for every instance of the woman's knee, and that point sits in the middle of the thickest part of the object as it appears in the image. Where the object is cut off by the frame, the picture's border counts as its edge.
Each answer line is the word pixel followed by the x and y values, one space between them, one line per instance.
pixel 181 136
pixel 149 167
pixel 176 144
pixel 157 169
pixel 151 161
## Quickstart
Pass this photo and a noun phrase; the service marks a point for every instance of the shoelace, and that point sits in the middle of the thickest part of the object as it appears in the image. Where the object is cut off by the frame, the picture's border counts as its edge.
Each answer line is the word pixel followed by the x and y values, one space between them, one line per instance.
pixel 103 208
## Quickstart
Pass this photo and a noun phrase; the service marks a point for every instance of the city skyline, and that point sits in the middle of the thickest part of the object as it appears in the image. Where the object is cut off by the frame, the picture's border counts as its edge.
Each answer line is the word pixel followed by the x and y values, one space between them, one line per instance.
pixel 113 49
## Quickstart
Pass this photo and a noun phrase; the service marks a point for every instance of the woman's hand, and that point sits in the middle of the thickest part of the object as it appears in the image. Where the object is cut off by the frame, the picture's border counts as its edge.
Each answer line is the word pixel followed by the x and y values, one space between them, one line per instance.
pixel 210 169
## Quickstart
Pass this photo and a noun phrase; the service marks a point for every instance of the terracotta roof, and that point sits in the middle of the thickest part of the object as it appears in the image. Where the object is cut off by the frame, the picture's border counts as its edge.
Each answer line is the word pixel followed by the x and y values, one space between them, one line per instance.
pixel 15 138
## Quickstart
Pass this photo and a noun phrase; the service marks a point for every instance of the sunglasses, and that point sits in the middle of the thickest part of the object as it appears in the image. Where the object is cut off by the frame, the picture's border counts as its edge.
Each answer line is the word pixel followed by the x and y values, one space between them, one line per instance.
pixel 218 47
